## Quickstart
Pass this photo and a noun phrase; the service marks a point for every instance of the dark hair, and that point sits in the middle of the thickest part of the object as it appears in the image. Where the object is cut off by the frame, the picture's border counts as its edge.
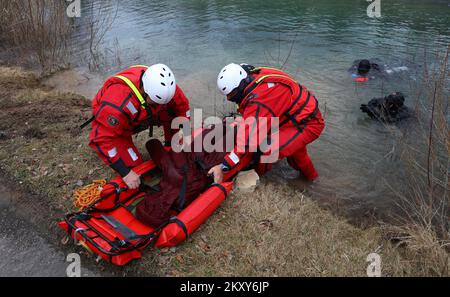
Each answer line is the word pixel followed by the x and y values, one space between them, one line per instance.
pixel 364 66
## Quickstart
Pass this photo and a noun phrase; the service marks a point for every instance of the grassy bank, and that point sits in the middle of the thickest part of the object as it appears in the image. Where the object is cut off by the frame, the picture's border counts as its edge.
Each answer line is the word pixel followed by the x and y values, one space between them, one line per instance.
pixel 42 146
pixel 274 231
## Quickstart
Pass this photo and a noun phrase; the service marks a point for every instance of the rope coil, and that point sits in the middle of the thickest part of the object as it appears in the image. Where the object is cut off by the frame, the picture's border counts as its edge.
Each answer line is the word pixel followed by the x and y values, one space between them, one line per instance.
pixel 88 195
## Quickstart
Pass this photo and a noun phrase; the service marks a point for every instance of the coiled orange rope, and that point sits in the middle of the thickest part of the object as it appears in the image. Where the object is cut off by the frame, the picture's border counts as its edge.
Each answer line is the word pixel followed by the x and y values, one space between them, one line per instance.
pixel 88 195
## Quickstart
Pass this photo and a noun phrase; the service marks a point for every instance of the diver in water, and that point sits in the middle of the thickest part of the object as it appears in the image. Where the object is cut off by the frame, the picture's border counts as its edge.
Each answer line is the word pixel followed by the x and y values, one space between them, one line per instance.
pixel 365 70
pixel 389 109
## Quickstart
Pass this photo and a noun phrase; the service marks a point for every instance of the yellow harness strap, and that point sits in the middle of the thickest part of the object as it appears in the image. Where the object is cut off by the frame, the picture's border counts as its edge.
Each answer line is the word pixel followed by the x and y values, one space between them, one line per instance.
pixel 259 80
pixel 272 75
pixel 264 67
pixel 133 87
pixel 134 66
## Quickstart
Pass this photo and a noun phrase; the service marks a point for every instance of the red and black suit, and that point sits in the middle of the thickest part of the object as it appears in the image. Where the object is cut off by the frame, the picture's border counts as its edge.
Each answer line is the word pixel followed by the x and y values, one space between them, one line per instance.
pixel 118 114
pixel 273 93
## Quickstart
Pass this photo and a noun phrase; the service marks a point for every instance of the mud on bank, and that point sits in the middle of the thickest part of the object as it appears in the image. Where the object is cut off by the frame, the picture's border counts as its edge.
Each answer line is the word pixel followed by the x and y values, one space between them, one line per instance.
pixel 274 231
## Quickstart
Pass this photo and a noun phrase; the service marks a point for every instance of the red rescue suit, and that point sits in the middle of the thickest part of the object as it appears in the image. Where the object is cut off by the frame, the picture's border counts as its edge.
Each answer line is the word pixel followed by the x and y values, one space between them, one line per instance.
pixel 273 93
pixel 118 114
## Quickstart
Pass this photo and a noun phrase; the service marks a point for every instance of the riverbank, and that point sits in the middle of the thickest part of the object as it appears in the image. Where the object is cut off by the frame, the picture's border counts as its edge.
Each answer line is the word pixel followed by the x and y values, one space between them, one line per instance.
pixel 274 231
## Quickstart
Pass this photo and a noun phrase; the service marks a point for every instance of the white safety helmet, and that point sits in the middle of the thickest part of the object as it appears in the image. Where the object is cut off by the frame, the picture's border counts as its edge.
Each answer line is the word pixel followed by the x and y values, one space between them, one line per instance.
pixel 159 83
pixel 230 77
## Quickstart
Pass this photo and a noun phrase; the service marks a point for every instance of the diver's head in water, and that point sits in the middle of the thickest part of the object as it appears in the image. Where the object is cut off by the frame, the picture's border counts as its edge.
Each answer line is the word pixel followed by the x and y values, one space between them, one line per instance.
pixel 363 67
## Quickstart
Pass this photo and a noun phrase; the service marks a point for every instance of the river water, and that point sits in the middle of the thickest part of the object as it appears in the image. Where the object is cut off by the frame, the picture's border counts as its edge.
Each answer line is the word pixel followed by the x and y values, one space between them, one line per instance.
pixel 316 41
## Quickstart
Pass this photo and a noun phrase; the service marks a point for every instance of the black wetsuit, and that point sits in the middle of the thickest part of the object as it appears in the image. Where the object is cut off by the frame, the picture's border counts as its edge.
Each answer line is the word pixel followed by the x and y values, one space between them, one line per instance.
pixel 389 109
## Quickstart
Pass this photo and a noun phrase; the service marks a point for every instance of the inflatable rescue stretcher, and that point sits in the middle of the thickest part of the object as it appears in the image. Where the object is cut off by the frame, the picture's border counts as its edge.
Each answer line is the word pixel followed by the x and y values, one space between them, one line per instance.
pixel 110 229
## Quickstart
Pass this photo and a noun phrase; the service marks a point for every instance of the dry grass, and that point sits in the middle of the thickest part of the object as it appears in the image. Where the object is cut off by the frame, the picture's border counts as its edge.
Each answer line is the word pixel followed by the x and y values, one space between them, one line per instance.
pixel 38 32
pixel 426 252
pixel 279 232
pixel 274 231
pixel 39 35
pixel 98 24
pixel 41 144
pixel 424 224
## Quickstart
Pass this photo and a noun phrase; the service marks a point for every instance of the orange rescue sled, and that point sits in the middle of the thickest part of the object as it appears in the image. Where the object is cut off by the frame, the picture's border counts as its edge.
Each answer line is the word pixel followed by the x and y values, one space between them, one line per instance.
pixel 109 228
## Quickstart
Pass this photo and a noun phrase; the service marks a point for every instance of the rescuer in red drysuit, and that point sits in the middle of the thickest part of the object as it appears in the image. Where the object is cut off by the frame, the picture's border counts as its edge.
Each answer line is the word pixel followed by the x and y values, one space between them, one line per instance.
pixel 269 93
pixel 184 178
pixel 128 103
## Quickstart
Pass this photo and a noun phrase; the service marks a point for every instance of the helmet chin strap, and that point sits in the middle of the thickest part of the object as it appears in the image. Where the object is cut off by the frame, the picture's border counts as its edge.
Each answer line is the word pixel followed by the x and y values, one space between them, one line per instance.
pixel 239 96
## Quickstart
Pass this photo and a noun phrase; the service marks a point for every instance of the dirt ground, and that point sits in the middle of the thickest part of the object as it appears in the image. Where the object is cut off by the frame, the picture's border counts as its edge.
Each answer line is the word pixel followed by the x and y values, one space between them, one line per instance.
pixel 275 231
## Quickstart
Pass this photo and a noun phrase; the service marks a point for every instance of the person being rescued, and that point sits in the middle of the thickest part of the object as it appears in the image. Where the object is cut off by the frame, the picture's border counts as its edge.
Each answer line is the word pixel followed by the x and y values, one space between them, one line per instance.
pixel 184 177
pixel 365 70
pixel 135 99
pixel 269 93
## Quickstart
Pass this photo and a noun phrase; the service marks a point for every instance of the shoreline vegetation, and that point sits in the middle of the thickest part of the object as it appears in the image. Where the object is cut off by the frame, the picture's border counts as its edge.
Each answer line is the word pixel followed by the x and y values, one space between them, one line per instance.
pixel 277 231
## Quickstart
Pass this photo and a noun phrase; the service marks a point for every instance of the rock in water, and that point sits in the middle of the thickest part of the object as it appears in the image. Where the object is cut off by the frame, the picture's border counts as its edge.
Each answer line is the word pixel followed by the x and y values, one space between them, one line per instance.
pixel 247 181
